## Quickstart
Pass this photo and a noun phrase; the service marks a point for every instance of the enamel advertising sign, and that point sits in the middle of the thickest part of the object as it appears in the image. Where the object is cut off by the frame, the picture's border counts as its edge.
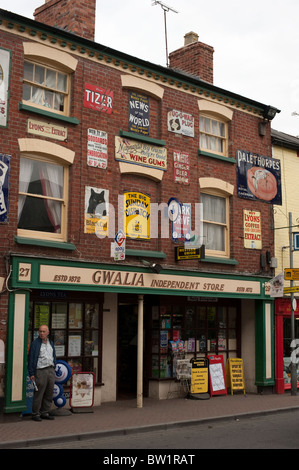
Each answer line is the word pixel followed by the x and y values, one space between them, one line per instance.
pixel 258 177
pixel 97 98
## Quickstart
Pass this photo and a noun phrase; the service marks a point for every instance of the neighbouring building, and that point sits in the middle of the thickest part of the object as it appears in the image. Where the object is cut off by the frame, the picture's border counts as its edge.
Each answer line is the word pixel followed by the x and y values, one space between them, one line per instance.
pixel 286 222
pixel 97 144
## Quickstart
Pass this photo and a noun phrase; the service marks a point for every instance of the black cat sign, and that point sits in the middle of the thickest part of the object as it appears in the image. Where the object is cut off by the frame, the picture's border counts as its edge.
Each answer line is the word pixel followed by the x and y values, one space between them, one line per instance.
pixel 96 211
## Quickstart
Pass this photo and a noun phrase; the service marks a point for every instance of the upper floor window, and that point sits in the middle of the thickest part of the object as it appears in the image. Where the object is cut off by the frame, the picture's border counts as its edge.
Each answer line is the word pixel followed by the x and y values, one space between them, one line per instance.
pixel 213 135
pixel 215 223
pixel 213 128
pixel 41 196
pixel 44 86
pixel 47 77
pixel 215 196
pixel 43 189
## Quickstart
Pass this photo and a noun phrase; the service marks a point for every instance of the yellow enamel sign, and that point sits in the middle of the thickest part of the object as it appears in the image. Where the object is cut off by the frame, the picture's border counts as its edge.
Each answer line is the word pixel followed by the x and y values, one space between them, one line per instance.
pixel 137 215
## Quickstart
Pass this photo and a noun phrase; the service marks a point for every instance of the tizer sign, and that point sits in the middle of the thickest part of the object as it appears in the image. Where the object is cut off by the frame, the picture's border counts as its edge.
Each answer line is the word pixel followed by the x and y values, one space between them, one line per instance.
pixel 98 98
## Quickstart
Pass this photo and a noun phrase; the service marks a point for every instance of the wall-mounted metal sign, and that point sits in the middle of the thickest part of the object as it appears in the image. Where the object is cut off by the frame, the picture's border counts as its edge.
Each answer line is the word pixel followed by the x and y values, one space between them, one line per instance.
pixel 182 253
pixel 46 129
pixel 138 113
pixel 4 185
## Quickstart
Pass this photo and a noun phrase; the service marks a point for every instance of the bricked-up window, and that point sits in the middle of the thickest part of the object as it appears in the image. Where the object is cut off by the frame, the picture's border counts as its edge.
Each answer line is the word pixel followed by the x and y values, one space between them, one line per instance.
pixel 45 87
pixel 215 224
pixel 213 135
pixel 42 203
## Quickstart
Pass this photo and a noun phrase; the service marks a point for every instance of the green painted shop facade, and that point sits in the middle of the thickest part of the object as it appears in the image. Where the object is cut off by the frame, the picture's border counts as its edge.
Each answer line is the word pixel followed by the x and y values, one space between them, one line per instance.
pixel 223 314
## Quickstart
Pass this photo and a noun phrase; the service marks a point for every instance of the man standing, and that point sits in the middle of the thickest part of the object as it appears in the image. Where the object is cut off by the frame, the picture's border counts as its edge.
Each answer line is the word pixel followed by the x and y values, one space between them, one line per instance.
pixel 41 369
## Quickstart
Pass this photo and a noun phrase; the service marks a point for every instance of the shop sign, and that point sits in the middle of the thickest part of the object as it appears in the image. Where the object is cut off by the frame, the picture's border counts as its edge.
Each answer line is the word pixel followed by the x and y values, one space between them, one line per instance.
pixel 97 142
pixel 4 185
pixel 182 253
pixel 46 130
pixel 181 226
pixel 276 286
pixel 96 211
pixel 77 275
pixel 139 153
pixel 4 85
pixel 258 177
pixel 138 113
pixel 181 165
pixel 137 215
pixel 252 229
pixel 119 248
pixel 180 122
pixel 97 98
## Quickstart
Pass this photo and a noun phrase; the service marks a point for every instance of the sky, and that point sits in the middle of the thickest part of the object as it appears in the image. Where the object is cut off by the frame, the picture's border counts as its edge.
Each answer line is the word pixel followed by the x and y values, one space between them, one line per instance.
pixel 256 42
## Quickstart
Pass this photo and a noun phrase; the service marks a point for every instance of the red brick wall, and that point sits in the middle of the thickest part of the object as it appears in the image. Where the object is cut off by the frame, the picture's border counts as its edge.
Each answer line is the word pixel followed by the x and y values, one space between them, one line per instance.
pixel 243 135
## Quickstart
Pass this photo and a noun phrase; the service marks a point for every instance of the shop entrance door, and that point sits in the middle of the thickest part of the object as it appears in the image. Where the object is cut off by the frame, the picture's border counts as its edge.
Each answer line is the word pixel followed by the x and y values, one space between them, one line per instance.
pixel 127 350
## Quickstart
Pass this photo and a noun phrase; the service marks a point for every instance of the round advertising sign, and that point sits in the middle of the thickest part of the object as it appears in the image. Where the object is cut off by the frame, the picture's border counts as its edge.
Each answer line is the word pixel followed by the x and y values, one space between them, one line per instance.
pixel 63 372
pixel 58 390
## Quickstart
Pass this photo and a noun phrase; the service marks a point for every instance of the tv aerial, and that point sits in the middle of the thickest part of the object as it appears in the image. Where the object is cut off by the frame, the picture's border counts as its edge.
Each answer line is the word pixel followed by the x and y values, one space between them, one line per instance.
pixel 166 9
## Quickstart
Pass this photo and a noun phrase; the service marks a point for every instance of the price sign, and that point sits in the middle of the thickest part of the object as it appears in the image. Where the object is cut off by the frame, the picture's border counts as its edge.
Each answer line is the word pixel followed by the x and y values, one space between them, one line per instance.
pixel 235 374
pixel 199 376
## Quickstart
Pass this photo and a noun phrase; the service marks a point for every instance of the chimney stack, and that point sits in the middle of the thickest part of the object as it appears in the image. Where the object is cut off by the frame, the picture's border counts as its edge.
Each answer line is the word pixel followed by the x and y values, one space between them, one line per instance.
pixel 75 16
pixel 195 58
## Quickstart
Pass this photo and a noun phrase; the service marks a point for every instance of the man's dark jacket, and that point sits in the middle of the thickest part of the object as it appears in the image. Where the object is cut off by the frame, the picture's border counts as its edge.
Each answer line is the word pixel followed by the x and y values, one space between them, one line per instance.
pixel 34 353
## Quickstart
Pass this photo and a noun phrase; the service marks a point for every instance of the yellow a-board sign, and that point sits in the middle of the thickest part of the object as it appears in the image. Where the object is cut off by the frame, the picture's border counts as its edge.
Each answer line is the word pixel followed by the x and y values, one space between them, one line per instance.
pixel 199 376
pixel 235 375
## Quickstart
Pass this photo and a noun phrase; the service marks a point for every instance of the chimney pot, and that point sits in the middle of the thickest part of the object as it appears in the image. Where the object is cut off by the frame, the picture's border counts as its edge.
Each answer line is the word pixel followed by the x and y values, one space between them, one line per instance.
pixel 190 37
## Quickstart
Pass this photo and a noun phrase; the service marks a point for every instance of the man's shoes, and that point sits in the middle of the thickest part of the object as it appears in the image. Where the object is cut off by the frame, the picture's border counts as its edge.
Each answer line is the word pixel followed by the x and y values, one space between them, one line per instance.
pixel 47 416
pixel 36 418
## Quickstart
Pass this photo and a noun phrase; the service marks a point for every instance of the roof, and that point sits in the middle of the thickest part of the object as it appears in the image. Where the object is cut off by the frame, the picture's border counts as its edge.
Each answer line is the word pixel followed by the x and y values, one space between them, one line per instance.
pixel 284 140
pixel 173 74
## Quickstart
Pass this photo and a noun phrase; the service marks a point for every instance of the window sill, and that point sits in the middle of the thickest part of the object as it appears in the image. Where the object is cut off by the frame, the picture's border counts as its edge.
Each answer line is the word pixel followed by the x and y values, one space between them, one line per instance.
pixel 217 157
pixel 48 114
pixel 142 138
pixel 146 254
pixel 210 259
pixel 46 243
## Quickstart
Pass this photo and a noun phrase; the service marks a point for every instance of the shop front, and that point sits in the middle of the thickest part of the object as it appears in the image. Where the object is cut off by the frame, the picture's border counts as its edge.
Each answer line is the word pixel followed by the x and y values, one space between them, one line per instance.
pixel 283 332
pixel 121 323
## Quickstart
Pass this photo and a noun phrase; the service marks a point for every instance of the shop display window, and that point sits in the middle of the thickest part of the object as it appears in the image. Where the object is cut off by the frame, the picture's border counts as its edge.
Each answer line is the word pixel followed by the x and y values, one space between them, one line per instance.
pixel 76 330
pixel 287 339
pixel 186 330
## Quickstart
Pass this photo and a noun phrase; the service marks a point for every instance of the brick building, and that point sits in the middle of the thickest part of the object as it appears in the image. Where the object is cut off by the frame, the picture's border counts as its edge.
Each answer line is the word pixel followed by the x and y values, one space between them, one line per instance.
pixel 96 143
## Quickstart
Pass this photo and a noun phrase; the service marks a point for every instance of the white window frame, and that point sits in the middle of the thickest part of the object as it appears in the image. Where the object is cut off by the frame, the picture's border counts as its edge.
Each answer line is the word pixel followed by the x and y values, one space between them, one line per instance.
pixel 221 116
pixel 224 190
pixel 54 60
pixel 48 152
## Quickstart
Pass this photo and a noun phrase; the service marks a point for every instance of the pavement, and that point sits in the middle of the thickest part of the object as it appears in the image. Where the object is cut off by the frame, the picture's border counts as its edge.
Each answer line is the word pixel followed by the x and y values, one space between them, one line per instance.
pixel 123 417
